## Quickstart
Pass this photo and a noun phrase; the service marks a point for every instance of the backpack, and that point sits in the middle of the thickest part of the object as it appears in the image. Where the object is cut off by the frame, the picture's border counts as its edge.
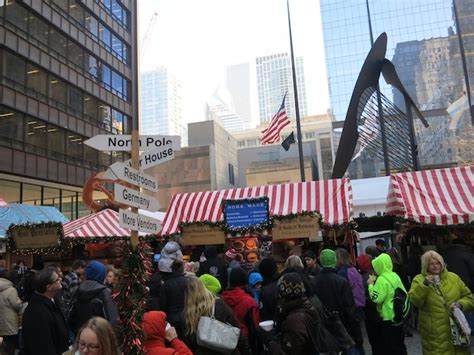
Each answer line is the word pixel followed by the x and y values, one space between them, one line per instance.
pixel 81 312
pixel 401 304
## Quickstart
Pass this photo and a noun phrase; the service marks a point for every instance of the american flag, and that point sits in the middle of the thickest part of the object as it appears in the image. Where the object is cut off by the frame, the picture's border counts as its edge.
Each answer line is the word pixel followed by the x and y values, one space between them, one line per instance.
pixel 271 134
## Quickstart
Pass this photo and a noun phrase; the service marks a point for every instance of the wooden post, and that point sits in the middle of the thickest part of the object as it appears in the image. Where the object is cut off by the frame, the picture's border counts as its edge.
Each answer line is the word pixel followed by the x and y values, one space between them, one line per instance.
pixel 135 165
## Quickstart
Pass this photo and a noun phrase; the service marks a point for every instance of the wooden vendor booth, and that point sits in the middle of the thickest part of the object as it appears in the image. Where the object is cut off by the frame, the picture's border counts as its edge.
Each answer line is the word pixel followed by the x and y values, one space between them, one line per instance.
pixel 254 222
pixel 433 207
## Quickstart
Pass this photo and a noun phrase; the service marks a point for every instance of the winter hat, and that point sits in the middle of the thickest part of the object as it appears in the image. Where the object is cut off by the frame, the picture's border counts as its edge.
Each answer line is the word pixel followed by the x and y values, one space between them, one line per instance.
pixel 309 254
pixel 211 283
pixel 237 277
pixel 210 252
pixel 169 254
pixel 255 278
pixel 95 270
pixel 364 262
pixel 268 268
pixel 290 286
pixel 328 258
pixel 230 255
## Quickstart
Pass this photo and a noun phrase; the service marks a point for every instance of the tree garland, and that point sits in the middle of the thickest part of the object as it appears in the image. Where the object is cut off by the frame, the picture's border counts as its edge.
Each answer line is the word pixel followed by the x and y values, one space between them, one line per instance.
pixel 11 245
pixel 131 298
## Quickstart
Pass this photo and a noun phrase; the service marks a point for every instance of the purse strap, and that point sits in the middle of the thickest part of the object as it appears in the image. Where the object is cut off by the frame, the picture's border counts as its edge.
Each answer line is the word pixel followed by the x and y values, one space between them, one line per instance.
pixel 213 310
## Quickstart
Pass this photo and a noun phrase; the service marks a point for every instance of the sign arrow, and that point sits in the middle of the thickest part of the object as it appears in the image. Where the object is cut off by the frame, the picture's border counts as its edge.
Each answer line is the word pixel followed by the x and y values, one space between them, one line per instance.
pixel 154 157
pixel 123 142
pixel 138 222
pixel 131 197
pixel 124 172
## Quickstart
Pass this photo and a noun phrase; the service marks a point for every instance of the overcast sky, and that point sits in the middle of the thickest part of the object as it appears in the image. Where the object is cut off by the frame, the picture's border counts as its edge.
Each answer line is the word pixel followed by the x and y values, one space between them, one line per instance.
pixel 196 39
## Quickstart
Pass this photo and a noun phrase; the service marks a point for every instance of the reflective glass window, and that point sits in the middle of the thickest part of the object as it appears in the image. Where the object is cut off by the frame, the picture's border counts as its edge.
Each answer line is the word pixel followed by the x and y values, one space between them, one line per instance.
pixel 74 145
pixel 117 82
pixel 104 158
pixel 106 75
pixel 36 133
pixel 51 197
pixel 17 15
pixel 14 68
pixel 92 25
pixel 75 100
pixel 117 10
pixel 117 46
pixel 91 106
pixel 68 203
pixel 31 195
pixel 117 121
pixel 39 29
pixel 105 116
pixel 105 35
pixel 91 65
pixel 107 4
pixel 90 154
pixel 11 124
pixel 36 80
pixel 56 139
pixel 125 89
pixel 10 191
pixel 76 11
pixel 57 90
pixel 76 54
pixel 127 124
pixel 58 42
pixel 62 4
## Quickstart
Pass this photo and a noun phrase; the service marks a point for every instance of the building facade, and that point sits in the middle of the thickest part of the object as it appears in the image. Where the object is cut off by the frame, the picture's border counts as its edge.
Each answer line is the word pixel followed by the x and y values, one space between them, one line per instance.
pixel 220 108
pixel 274 80
pixel 67 74
pixel 423 45
pixel 237 82
pixel 161 104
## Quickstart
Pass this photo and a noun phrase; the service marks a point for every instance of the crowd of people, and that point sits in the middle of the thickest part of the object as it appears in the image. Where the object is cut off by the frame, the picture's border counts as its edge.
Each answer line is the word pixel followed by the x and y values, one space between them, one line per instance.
pixel 289 311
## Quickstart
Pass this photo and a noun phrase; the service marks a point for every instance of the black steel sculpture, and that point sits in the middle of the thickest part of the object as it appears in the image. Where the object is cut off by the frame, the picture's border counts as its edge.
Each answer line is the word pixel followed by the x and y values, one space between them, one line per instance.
pixel 374 122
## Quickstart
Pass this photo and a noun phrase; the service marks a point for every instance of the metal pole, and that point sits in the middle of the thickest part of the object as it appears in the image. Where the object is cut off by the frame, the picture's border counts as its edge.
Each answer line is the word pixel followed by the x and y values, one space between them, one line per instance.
pixel 295 92
pixel 464 63
pixel 386 160
pixel 411 128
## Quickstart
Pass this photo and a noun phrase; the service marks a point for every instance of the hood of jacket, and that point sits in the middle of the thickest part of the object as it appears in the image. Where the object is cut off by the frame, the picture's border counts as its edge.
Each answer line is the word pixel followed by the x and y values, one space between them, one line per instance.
pixel 88 290
pixel 234 296
pixel 382 264
pixel 154 323
pixel 364 262
pixel 5 284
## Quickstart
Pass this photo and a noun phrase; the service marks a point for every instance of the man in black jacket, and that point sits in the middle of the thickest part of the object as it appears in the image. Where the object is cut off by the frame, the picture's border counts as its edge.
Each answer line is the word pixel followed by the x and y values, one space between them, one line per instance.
pixel 269 294
pixel 335 293
pixel 214 266
pixel 44 327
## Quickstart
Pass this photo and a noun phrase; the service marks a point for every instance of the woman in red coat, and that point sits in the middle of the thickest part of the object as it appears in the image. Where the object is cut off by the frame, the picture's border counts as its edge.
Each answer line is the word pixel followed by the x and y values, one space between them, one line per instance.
pixel 154 325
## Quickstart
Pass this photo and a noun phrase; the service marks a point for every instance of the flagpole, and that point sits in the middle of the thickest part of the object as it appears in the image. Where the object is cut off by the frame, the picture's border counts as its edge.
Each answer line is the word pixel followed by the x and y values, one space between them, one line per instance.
pixel 295 92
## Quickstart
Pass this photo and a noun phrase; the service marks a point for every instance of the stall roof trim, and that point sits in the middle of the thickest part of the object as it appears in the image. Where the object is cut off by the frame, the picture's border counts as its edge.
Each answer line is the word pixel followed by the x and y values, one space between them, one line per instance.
pixel 332 198
pixel 16 213
pixel 104 223
pixel 442 196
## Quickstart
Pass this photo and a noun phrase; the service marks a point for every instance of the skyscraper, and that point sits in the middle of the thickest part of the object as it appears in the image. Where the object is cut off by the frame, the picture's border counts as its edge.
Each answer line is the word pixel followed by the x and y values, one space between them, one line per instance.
pixel 422 43
pixel 274 79
pixel 68 73
pixel 220 108
pixel 161 104
pixel 237 82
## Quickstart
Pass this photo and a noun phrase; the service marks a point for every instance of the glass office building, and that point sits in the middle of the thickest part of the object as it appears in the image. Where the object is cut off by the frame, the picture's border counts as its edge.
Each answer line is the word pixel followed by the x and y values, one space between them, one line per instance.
pixel 66 75
pixel 424 47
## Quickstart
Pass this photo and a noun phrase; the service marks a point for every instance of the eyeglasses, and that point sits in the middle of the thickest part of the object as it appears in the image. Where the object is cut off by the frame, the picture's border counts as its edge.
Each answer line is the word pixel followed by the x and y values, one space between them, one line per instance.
pixel 89 347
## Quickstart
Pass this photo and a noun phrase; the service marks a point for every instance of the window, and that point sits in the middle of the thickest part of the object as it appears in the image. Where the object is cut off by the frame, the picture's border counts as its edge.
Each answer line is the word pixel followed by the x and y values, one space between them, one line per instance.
pixel 11 124
pixel 62 4
pixel 92 25
pixel 36 134
pixel 76 11
pixel 231 174
pixel 117 46
pixel 56 139
pixel 105 116
pixel 91 106
pixel 39 29
pixel 91 65
pixel 57 90
pixel 36 80
pixel 106 75
pixel 104 35
pixel 17 15
pixel 74 145
pixel 76 54
pixel 31 194
pixel 117 121
pixel 58 42
pixel 117 83
pixel 75 100
pixel 14 68
pixel 90 154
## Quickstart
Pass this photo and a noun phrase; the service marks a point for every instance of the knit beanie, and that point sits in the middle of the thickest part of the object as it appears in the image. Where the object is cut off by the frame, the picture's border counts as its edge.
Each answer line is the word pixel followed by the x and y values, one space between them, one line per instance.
pixel 211 283
pixel 230 255
pixel 169 254
pixel 290 286
pixel 95 270
pixel 237 277
pixel 255 278
pixel 328 258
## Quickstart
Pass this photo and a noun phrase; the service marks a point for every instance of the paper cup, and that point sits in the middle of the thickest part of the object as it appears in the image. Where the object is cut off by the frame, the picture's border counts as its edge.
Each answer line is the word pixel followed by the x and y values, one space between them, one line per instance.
pixel 266 325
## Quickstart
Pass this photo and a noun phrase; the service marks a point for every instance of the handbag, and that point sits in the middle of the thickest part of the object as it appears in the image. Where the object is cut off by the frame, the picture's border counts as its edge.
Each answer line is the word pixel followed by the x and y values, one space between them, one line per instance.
pixel 216 335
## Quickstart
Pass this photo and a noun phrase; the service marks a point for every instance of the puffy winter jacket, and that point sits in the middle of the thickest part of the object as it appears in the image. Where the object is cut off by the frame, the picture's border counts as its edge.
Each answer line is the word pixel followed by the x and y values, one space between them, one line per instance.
pixel 243 306
pixel 10 307
pixel 154 325
pixel 434 311
pixel 382 291
pixel 355 280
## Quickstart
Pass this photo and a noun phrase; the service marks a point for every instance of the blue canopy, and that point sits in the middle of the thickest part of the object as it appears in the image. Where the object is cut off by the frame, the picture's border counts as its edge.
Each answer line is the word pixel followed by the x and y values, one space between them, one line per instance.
pixel 21 214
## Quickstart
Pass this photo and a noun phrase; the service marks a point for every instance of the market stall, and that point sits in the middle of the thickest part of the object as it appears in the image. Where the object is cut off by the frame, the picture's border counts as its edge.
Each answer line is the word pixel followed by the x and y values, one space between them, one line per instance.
pixel 26 230
pixel 296 211
pixel 433 206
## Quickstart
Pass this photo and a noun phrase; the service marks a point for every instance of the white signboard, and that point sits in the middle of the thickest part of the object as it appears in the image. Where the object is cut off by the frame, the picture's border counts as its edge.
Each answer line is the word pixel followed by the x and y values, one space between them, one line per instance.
pixel 138 222
pixel 154 157
pixel 123 142
pixel 124 172
pixel 131 197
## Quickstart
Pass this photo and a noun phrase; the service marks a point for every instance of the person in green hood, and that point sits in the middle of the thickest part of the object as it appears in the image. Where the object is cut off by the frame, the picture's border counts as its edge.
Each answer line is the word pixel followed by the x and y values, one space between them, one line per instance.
pixel 381 291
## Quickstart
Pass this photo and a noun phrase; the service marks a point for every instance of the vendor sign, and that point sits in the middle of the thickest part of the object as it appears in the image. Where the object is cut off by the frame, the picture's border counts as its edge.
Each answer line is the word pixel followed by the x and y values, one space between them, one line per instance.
pixel 246 215
pixel 34 237
pixel 296 227
pixel 202 234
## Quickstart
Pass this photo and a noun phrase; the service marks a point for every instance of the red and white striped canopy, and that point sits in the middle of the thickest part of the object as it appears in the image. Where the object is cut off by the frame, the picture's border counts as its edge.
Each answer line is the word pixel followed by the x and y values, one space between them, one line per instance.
pixel 442 196
pixel 101 224
pixel 331 198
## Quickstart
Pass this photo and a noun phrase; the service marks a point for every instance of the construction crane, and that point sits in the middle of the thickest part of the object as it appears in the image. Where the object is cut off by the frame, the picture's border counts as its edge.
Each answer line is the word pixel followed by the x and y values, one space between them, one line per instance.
pixel 149 31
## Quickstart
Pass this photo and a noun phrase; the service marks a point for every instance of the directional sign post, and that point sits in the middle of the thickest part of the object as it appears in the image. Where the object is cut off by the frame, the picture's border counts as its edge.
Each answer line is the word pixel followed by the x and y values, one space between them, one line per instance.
pixel 154 157
pixel 124 172
pixel 138 222
pixel 131 197
pixel 123 142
